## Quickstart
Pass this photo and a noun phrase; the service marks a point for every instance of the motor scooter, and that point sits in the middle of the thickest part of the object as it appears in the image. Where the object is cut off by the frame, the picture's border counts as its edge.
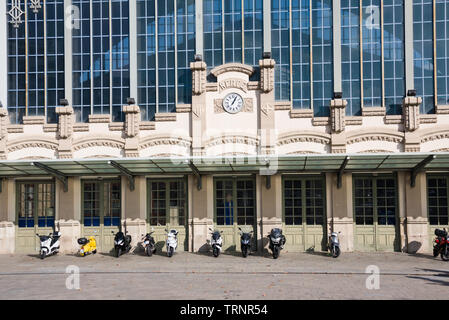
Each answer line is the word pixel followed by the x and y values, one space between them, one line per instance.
pixel 441 246
pixel 148 243
pixel 216 242
pixel 245 242
pixel 49 244
pixel 172 241
pixel 334 244
pixel 277 241
pixel 88 246
pixel 122 243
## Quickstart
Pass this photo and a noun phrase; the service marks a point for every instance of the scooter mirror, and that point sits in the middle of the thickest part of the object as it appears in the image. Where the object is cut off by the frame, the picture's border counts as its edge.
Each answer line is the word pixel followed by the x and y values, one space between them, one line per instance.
pixel 240 229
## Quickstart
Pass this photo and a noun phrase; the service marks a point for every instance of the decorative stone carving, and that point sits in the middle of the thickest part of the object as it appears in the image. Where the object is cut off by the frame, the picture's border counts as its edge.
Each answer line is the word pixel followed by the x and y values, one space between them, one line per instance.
pixel 410 109
pixel 198 77
pixel 266 75
pixel 338 110
pixel 30 120
pixel 165 116
pixel 233 83
pixel 132 120
pixel 99 118
pixel 66 121
pixel 3 123
pixel 247 105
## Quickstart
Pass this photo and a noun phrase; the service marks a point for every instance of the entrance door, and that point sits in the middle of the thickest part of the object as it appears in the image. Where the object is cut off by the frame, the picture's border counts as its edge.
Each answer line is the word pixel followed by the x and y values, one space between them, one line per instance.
pixel 376 214
pixel 35 203
pixel 101 211
pixel 235 207
pixel 304 213
pixel 167 210
pixel 437 204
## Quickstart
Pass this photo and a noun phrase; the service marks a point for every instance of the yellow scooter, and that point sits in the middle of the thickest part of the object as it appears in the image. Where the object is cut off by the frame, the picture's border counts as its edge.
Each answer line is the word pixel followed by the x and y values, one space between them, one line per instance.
pixel 88 246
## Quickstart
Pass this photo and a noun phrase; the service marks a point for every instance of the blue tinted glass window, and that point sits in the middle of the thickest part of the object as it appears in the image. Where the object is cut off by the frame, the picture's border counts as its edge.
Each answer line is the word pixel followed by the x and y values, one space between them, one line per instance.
pixel 423 53
pixel 322 56
pixel 442 39
pixel 213 32
pixel 39 62
pixel 372 54
pixel 301 54
pixel 350 55
pixel 280 48
pixel 394 55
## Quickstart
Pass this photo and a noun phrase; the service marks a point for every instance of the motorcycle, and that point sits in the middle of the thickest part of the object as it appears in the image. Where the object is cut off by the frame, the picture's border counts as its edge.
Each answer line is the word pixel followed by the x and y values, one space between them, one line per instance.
pixel 49 244
pixel 148 243
pixel 88 246
pixel 334 244
pixel 441 246
pixel 122 243
pixel 172 242
pixel 245 242
pixel 277 241
pixel 216 242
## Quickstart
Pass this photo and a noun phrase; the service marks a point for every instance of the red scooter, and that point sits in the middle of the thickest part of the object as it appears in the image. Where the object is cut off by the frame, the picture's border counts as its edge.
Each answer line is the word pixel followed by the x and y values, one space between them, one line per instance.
pixel 441 246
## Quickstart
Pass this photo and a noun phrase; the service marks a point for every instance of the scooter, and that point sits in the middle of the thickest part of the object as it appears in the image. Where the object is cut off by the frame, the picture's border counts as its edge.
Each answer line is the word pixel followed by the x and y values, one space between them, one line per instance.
pixel 216 242
pixel 122 243
pixel 49 244
pixel 245 242
pixel 441 246
pixel 88 246
pixel 172 242
pixel 334 244
pixel 277 241
pixel 148 243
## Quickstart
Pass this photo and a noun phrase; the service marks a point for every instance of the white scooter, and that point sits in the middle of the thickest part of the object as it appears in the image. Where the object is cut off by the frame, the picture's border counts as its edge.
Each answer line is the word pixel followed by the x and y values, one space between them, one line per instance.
pixel 172 242
pixel 334 244
pixel 216 242
pixel 49 244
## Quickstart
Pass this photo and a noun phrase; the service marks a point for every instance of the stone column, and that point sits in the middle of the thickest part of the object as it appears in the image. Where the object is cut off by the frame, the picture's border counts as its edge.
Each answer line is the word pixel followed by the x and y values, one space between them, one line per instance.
pixel 132 123
pixel 340 212
pixel 414 233
pixel 3 132
pixel 7 207
pixel 338 137
pixel 65 131
pixel 266 109
pixel 202 213
pixel 67 206
pixel 271 208
pixel 135 208
pixel 410 109
pixel 198 124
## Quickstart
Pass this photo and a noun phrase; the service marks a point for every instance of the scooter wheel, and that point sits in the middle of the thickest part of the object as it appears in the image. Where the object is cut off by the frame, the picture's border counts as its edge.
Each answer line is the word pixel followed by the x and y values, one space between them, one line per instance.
pixel 148 251
pixel 245 252
pixel 335 252
pixel 94 252
pixel 118 252
pixel 436 251
pixel 445 255
pixel 170 252
pixel 42 255
pixel 216 252
pixel 275 252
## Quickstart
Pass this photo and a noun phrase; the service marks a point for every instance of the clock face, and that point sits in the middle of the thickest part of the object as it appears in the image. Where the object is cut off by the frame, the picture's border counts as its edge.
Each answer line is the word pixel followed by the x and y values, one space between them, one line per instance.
pixel 233 103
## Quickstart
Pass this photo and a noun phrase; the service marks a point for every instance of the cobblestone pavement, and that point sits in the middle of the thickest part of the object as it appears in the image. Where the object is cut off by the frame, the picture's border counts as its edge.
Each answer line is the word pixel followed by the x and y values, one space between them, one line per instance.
pixel 201 276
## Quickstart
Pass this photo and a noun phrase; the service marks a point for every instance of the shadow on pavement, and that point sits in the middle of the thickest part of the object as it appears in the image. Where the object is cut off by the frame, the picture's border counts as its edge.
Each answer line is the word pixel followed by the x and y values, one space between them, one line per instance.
pixel 439 274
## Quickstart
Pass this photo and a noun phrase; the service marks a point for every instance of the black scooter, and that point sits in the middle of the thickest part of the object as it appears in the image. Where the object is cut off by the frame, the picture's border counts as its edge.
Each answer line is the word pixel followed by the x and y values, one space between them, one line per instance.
pixel 245 242
pixel 122 243
pixel 149 244
pixel 441 246
pixel 277 241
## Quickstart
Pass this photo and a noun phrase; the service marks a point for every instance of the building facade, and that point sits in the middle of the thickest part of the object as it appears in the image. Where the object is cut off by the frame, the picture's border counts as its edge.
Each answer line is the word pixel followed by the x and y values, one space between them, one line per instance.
pixel 307 115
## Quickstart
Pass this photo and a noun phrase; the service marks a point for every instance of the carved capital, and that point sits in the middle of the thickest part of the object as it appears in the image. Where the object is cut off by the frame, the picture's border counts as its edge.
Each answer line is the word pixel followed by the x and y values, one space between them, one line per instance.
pixel 65 122
pixel 132 120
pixel 338 111
pixel 410 109
pixel 198 77
pixel 266 75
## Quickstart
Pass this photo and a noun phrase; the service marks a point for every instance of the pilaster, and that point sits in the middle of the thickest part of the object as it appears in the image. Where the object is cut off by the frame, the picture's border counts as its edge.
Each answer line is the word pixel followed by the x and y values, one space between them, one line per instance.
pixel 267 109
pixel 198 119
pixel 66 120
pixel 338 123
pixel 132 129
pixel 410 109
pixel 3 132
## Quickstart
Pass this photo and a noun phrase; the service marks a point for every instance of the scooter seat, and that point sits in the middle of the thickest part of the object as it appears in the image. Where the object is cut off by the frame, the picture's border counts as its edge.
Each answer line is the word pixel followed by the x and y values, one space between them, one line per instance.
pixel 82 241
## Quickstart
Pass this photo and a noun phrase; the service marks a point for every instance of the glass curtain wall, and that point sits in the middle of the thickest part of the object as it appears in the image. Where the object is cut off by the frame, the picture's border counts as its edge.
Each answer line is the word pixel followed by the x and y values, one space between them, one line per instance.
pixel 36 61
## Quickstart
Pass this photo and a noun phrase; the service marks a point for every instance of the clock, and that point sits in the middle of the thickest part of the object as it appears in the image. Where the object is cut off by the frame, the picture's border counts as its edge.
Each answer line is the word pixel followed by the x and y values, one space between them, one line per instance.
pixel 233 103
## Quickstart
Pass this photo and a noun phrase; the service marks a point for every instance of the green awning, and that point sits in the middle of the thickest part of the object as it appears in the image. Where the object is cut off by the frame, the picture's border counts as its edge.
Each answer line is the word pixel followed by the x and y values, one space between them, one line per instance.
pixel 238 164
